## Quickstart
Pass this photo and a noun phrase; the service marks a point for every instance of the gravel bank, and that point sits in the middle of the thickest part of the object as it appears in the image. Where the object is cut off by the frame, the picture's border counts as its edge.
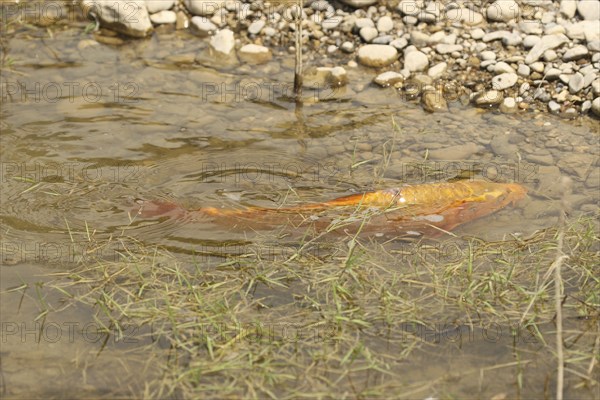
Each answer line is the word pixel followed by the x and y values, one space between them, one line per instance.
pixel 514 55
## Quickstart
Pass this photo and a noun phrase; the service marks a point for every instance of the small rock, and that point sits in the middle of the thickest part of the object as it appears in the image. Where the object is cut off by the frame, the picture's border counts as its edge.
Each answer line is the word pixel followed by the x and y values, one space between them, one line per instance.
pixel 548 42
pixel 550 55
pixel 385 24
pixel 399 43
pixel 384 39
pixel 596 106
pixel 537 66
pixel 368 33
pixel 589 9
pixel 364 22
pixel 331 23
pixel 487 55
pixel 415 61
pixel 509 105
pixel 530 41
pixel 155 6
pixel 503 68
pixel 504 81
pixel 575 53
pixel 489 98
pixel 586 106
pixel 255 54
pixel 568 8
pixel 256 26
pixel 203 26
pixel 508 38
pixel 128 17
pixel 523 70
pixel 164 17
pixel 477 33
pixel 503 10
pixel 409 7
pixel 388 78
pixel 448 48
pixel 223 41
pixel 576 83
pixel 437 70
pixel 359 3
pixel 377 55
pixel 347 47
pixel 553 107
pixel 203 7
pixel 269 31
pixel 433 101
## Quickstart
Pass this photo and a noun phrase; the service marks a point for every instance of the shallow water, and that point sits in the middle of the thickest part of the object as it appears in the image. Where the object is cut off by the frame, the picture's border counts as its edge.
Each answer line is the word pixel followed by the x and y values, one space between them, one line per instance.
pixel 89 129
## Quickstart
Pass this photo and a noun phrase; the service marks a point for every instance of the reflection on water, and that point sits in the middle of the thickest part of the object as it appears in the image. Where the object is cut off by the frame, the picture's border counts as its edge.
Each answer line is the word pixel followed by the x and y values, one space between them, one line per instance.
pixel 88 131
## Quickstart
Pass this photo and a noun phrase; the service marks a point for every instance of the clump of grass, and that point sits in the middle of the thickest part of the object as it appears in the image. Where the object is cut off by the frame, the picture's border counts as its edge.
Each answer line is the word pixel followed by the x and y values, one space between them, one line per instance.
pixel 356 319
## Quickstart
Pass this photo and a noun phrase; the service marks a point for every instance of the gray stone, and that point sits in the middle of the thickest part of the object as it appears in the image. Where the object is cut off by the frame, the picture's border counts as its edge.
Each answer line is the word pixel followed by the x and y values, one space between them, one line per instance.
pixel 537 66
pixel 586 106
pixel 347 47
pixel 508 38
pixel 477 33
pixel 504 81
pixel 385 24
pixel 437 70
pixel 331 23
pixel 523 70
pixel 575 53
pixel 203 7
pixel 434 101
pixel 129 17
pixel 553 107
pixel 530 41
pixel 377 55
pixel 163 17
pixel 589 9
pixel 576 83
pixel 503 10
pixel 568 8
pixel 548 42
pixel 488 98
pixel 203 25
pixel 384 39
pixel 550 55
pixel 256 26
pixel 409 7
pixel 596 106
pixel 503 68
pixel 388 78
pixel 155 6
pixel 509 105
pixel 359 3
pixel 368 33
pixel 399 43
pixel 530 27
pixel 223 41
pixel 415 61
pixel 487 55
pixel 363 22
pixel 448 48
pixel 419 38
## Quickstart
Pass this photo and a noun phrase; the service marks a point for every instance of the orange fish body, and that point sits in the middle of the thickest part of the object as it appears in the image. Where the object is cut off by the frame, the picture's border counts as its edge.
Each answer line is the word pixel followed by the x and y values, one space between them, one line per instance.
pixel 426 209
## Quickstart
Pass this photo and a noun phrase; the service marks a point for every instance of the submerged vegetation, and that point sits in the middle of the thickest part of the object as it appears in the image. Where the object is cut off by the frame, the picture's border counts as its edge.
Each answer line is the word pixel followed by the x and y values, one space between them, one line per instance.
pixel 357 318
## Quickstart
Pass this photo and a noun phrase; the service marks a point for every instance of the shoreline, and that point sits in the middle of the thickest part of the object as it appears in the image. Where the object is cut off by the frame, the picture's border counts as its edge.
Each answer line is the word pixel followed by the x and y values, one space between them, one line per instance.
pixel 509 55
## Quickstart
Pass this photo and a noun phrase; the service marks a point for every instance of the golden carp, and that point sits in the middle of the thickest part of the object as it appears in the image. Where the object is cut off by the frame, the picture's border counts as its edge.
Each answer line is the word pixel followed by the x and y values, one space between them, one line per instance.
pixel 425 209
